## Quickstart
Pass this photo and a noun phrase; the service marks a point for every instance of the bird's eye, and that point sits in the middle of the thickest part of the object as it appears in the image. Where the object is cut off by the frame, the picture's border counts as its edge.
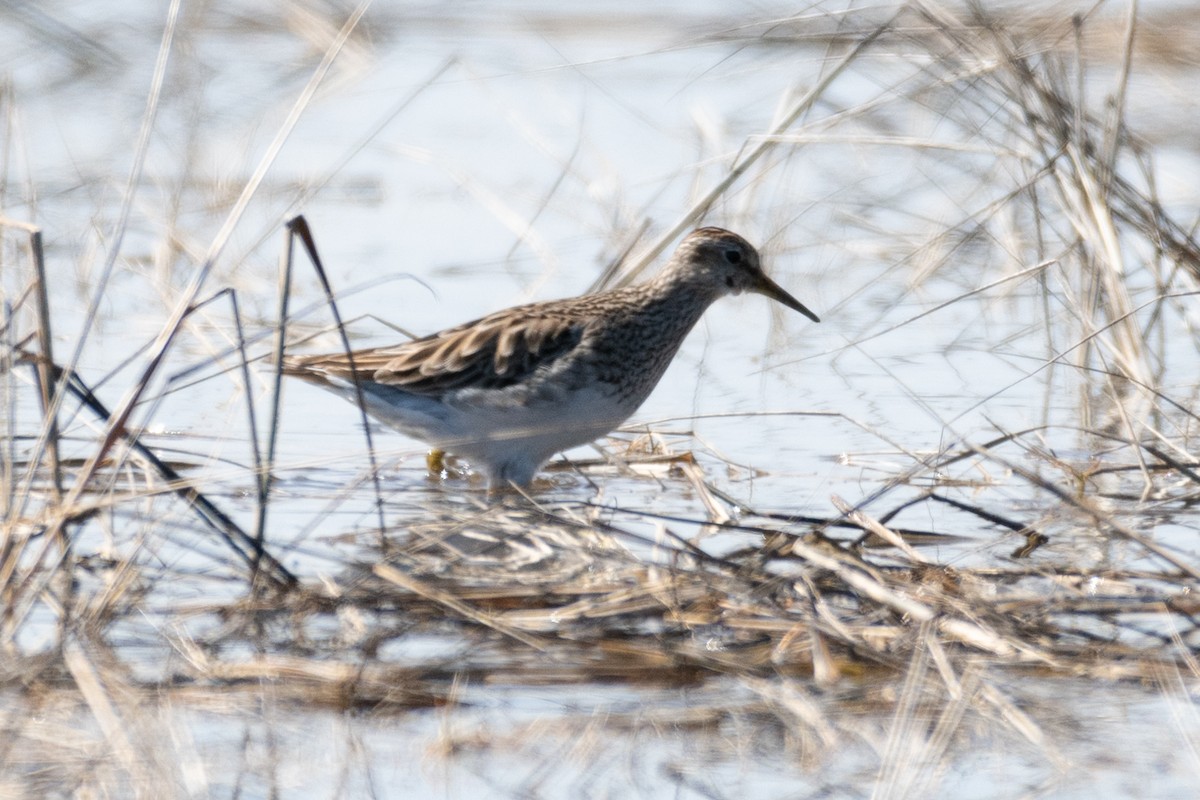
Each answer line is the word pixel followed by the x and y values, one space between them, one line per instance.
pixel 729 281
pixel 733 256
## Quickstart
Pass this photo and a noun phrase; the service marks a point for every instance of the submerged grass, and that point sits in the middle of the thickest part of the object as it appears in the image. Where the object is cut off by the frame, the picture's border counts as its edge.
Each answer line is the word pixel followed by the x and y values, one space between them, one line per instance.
pixel 121 601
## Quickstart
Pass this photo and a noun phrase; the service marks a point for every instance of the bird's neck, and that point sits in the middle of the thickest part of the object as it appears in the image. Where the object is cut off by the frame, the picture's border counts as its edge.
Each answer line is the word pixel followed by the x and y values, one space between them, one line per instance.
pixel 688 299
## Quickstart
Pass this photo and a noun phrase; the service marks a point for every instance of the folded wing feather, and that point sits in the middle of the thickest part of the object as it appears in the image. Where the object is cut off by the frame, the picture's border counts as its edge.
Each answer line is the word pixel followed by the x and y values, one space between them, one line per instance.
pixel 490 353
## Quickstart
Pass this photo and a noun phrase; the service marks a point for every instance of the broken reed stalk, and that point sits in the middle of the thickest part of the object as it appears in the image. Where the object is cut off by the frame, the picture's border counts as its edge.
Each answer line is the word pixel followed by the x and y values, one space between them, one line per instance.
pixel 47 384
pixel 297 227
pixel 264 463
pixel 47 445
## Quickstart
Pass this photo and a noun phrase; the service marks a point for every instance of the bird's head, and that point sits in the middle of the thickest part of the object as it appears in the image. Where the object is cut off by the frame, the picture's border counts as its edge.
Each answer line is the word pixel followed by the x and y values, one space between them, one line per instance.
pixel 723 263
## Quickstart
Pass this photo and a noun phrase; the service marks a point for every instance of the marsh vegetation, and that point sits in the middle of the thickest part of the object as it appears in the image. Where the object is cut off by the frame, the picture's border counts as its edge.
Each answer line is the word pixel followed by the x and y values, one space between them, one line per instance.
pixel 948 541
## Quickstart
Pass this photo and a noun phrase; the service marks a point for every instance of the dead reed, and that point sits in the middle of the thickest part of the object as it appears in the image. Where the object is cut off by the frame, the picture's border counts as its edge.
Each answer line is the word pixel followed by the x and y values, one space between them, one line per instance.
pixel 133 577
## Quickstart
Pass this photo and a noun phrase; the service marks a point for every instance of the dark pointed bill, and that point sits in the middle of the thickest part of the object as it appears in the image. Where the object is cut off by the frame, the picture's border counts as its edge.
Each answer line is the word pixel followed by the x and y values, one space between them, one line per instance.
pixel 773 290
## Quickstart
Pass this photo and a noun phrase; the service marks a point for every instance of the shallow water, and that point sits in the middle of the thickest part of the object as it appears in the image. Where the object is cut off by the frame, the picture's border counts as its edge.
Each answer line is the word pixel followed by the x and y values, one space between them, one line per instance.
pixel 536 141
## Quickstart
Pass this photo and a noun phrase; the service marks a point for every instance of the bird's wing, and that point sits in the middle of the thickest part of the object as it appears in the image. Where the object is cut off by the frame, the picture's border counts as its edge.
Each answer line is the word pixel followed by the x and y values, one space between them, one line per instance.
pixel 489 353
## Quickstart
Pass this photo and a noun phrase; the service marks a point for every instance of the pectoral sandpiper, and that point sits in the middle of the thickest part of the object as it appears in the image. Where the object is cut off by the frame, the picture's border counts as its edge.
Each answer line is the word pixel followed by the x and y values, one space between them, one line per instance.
pixel 510 390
